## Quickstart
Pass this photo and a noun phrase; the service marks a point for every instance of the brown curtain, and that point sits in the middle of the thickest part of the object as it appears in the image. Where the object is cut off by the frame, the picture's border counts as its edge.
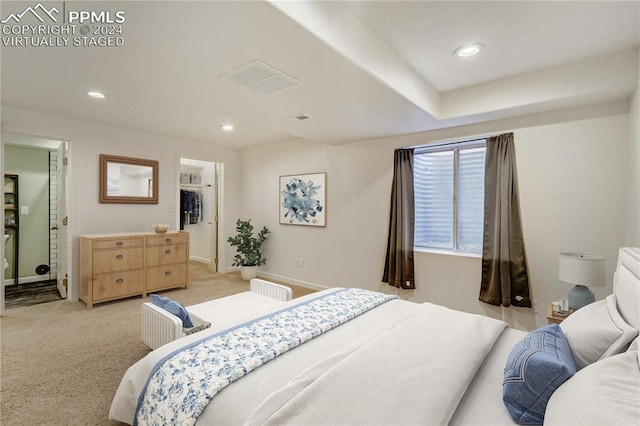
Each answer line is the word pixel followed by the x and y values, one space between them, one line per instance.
pixel 505 280
pixel 398 265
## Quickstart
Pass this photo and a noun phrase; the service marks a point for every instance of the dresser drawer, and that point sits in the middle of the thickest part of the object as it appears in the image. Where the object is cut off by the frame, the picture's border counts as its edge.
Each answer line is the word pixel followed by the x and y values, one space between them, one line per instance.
pixel 168 239
pixel 160 277
pixel 118 285
pixel 106 261
pixel 118 243
pixel 164 255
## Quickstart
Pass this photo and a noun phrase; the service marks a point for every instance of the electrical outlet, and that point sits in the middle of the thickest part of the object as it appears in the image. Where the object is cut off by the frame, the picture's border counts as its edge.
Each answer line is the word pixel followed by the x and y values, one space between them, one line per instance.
pixel 301 263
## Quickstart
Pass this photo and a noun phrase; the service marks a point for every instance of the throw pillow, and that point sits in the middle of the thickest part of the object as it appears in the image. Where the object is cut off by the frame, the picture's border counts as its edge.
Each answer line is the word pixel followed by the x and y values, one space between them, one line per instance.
pixel 172 307
pixel 597 331
pixel 536 367
pixel 606 392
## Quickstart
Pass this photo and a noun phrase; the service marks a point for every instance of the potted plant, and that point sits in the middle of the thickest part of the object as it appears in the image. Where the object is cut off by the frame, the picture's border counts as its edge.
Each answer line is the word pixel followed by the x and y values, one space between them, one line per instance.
pixel 249 248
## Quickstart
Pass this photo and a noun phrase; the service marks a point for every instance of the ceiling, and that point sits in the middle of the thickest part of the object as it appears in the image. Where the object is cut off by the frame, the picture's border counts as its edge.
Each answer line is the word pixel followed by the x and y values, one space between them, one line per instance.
pixel 365 69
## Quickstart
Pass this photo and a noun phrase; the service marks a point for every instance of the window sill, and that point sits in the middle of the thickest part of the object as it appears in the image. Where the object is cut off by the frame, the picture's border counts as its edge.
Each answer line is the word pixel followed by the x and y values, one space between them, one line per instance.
pixel 447 252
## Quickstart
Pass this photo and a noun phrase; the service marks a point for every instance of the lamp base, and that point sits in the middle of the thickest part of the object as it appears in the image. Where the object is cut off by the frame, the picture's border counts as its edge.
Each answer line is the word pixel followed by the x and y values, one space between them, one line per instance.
pixel 580 296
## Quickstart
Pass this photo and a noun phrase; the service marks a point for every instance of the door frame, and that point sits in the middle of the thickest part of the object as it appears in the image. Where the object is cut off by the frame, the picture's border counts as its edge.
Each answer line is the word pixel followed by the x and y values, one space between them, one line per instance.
pixel 65 261
pixel 62 219
pixel 217 209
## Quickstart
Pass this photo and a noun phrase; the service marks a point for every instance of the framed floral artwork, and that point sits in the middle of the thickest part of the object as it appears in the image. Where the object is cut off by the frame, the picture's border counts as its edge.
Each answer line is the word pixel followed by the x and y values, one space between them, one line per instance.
pixel 303 199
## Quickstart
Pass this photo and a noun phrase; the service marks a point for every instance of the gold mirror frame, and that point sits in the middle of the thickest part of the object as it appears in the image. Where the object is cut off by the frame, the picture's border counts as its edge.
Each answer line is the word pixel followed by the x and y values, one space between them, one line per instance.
pixel 105 159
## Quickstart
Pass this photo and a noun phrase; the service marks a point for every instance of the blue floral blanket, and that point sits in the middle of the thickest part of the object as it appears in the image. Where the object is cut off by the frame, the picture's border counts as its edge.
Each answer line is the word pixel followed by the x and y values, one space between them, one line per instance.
pixel 181 384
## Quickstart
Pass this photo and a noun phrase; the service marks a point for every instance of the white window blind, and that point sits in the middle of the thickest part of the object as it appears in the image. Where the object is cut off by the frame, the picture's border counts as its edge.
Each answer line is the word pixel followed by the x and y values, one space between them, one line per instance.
pixel 449 196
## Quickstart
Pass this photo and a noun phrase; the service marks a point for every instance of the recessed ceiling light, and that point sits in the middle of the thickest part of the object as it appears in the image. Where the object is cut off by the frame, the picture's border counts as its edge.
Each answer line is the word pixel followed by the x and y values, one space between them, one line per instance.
pixel 97 95
pixel 227 127
pixel 468 50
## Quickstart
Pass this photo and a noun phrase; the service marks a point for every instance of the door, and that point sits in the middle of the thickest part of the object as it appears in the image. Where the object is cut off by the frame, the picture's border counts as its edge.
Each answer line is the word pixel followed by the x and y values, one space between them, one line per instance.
pixel 62 219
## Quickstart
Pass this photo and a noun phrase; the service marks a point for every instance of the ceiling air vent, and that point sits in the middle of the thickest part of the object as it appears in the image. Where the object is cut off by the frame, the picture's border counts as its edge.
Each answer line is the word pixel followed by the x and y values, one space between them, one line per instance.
pixel 259 76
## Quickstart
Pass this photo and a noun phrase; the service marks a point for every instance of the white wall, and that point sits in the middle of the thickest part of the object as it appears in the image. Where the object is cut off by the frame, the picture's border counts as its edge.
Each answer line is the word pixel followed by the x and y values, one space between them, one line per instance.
pixel 573 182
pixel 573 186
pixel 88 140
pixel 350 243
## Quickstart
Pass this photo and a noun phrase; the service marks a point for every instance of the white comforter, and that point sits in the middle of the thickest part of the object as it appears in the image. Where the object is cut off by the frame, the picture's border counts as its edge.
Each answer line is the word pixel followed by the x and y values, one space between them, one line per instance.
pixel 415 372
pixel 401 363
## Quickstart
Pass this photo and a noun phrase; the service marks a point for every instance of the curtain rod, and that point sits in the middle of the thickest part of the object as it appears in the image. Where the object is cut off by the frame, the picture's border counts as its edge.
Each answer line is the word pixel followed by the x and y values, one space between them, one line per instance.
pixel 475 139
pixel 444 145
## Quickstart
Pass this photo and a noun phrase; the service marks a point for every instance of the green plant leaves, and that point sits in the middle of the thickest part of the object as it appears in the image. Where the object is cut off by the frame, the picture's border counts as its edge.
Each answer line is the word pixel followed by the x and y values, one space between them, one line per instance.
pixel 248 246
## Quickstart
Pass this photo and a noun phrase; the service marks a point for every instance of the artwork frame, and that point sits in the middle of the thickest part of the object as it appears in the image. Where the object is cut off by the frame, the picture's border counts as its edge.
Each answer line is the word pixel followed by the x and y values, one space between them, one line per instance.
pixel 302 199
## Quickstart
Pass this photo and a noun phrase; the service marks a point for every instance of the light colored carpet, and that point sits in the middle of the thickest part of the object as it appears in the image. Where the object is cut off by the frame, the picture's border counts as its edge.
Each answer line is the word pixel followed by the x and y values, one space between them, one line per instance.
pixel 61 363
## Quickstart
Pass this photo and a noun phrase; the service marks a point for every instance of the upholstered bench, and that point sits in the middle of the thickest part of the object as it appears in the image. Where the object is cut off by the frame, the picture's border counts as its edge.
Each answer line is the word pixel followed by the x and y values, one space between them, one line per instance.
pixel 160 327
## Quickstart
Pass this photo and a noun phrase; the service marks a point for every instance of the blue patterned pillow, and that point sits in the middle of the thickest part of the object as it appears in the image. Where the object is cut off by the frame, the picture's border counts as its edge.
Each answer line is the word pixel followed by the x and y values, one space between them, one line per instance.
pixel 173 307
pixel 536 367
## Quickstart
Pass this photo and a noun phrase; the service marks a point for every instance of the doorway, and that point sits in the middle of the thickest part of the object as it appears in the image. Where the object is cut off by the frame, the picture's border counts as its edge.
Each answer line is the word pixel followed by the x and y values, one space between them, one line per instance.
pixel 198 205
pixel 35 218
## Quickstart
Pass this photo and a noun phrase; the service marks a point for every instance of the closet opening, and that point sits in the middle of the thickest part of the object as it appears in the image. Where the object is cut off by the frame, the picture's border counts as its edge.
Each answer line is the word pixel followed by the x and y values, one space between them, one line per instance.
pixel 198 208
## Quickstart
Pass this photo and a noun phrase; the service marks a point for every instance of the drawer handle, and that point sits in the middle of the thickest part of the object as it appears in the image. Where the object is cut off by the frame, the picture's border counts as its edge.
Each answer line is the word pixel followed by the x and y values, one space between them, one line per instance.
pixel 120 256
pixel 167 251
pixel 167 273
pixel 119 280
pixel 119 243
pixel 167 240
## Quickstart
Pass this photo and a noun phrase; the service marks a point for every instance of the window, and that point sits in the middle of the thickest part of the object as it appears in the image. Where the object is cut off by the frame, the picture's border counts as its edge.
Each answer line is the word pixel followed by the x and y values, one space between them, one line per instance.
pixel 449 196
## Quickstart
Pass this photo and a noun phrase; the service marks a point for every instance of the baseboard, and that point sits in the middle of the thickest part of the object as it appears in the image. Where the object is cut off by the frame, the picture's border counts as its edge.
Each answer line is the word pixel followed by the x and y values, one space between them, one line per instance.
pixel 200 259
pixel 267 275
pixel 293 281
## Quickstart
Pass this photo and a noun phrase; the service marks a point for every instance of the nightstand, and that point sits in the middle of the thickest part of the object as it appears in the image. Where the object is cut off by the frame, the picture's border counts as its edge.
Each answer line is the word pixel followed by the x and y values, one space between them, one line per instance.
pixel 553 318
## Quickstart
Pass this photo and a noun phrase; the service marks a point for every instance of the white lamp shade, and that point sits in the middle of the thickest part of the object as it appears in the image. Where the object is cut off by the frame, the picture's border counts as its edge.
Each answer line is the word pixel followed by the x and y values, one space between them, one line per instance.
pixel 582 269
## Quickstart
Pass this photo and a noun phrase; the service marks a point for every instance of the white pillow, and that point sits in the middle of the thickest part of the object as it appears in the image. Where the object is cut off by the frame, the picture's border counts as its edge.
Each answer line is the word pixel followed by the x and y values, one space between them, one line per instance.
pixel 605 392
pixel 597 331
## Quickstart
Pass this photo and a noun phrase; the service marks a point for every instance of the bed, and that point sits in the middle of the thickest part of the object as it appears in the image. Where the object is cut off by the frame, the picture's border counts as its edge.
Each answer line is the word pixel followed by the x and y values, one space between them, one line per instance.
pixel 396 362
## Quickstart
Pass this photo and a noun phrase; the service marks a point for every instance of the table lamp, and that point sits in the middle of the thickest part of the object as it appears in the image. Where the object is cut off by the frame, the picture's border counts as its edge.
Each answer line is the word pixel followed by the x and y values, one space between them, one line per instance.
pixel 584 270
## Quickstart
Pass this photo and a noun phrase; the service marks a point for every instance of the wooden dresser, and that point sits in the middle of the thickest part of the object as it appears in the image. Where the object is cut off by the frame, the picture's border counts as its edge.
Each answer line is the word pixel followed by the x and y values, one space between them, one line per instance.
pixel 114 266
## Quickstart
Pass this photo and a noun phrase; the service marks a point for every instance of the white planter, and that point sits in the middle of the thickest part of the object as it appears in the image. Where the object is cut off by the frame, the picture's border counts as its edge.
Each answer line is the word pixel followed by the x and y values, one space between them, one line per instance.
pixel 248 272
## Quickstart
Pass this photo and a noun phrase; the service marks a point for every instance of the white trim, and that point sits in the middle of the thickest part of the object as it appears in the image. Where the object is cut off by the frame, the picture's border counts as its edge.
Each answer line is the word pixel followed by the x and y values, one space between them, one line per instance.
pixel 287 280
pixel 446 252
pixel 200 259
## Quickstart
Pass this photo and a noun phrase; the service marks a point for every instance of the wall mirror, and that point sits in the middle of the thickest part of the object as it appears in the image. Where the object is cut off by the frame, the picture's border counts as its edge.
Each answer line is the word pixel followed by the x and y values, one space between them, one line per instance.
pixel 126 180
